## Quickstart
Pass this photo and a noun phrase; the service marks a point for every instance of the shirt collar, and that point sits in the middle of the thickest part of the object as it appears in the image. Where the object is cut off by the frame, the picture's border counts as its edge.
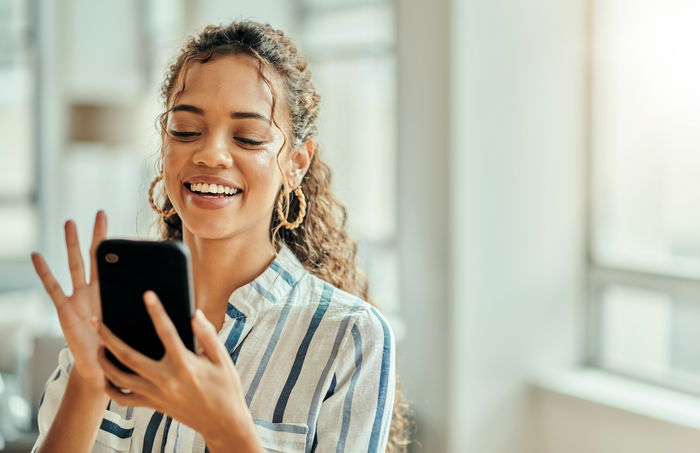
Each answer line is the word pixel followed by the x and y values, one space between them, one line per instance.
pixel 268 288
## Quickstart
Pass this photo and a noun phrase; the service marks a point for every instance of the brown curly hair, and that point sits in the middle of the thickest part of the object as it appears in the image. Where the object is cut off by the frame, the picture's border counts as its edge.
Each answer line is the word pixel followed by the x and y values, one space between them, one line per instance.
pixel 321 243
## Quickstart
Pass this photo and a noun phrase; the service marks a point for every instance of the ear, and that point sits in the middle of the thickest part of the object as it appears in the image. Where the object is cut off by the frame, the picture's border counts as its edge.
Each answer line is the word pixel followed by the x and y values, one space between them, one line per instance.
pixel 299 161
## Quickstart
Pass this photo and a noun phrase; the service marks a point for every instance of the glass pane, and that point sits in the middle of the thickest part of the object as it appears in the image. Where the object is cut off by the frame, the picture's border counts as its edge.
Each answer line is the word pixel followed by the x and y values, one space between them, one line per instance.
pixel 635 330
pixel 16 128
pixel 18 230
pixel 328 4
pixel 651 334
pixel 16 152
pixel 357 133
pixel 18 218
pixel 646 105
pixel 331 33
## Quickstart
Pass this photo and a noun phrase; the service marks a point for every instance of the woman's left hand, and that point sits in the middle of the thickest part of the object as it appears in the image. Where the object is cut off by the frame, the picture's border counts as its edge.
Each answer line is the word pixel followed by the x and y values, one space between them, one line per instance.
pixel 201 390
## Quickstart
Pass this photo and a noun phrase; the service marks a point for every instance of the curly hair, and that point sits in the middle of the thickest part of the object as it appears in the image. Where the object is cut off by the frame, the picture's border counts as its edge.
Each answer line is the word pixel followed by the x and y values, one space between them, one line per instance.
pixel 321 243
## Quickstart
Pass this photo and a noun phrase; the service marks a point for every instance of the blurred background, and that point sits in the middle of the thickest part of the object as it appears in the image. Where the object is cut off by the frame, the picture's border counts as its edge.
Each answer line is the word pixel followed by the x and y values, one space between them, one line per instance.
pixel 521 176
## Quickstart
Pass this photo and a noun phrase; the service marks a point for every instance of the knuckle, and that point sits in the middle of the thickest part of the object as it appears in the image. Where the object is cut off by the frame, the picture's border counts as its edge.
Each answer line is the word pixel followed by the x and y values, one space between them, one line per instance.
pixel 126 355
pixel 170 335
pixel 170 386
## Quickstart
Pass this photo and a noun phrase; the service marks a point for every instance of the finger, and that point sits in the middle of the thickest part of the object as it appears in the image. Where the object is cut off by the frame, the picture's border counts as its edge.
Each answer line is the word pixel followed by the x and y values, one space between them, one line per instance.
pixel 205 332
pixel 53 288
pixel 127 355
pixel 119 378
pixel 164 326
pixel 75 259
pixel 99 233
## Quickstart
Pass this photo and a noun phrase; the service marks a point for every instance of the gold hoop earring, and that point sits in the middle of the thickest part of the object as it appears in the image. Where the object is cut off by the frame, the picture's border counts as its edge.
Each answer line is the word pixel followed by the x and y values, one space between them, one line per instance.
pixel 302 210
pixel 158 211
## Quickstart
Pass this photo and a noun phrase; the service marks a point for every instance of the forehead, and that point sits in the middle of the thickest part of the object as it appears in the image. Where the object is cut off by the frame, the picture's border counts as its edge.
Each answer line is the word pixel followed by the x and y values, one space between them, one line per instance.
pixel 229 83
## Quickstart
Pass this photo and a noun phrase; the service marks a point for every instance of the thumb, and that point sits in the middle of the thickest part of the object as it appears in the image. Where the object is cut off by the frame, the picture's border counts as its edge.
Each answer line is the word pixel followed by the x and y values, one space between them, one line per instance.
pixel 207 342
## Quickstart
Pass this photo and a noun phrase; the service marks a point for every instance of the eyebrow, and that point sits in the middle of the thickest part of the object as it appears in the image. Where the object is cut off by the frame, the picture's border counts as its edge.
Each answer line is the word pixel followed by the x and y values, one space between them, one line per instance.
pixel 234 115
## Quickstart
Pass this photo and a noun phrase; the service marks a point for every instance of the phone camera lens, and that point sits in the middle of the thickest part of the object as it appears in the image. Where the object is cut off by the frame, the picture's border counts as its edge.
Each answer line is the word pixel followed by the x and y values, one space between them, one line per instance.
pixel 111 258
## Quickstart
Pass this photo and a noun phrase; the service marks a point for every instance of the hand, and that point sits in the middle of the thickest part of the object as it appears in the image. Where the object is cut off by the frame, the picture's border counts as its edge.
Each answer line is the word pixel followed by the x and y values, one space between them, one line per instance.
pixel 201 390
pixel 76 310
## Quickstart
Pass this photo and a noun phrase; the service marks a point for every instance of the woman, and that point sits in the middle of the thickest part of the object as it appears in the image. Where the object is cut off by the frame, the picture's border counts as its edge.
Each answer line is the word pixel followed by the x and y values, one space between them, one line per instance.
pixel 292 356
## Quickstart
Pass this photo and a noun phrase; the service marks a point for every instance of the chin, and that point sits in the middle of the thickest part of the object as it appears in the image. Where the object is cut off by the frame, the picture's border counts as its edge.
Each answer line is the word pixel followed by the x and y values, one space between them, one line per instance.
pixel 210 229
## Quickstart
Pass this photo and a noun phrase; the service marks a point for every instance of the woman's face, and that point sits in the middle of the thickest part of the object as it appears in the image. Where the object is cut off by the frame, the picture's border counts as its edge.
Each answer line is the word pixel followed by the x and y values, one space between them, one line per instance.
pixel 220 137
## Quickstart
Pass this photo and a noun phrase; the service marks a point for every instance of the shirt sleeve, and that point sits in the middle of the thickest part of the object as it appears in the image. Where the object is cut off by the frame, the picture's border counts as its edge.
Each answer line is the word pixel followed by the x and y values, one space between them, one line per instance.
pixel 114 434
pixel 355 415
pixel 53 392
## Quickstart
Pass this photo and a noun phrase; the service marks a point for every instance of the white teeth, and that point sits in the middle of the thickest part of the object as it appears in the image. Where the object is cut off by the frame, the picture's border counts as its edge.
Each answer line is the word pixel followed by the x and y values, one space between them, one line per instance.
pixel 213 188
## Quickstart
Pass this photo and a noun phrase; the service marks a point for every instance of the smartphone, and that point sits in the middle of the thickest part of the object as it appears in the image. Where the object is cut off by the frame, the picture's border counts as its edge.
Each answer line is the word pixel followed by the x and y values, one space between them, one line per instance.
pixel 127 269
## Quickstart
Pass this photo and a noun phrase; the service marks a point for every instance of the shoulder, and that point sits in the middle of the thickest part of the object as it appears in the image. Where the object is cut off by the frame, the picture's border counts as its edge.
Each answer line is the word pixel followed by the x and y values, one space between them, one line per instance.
pixel 337 307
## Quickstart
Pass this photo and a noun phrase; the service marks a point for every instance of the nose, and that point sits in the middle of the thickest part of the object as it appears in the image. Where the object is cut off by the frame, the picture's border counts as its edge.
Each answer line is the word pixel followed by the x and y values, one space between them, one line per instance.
pixel 214 153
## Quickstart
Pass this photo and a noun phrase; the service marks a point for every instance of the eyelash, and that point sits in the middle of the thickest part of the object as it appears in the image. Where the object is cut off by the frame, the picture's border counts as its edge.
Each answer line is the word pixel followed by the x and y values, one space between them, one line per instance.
pixel 248 141
pixel 244 140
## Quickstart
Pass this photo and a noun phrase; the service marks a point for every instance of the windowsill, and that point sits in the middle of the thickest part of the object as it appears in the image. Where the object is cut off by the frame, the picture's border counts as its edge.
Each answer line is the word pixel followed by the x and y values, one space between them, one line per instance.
pixel 608 390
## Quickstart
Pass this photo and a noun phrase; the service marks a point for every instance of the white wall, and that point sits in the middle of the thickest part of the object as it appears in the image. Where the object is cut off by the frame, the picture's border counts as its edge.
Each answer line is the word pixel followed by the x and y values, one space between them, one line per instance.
pixel 572 425
pixel 423 214
pixel 516 211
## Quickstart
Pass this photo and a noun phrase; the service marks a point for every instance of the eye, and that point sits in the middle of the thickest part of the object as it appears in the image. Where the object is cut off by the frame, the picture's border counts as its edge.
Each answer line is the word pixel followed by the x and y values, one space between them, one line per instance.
pixel 183 134
pixel 248 141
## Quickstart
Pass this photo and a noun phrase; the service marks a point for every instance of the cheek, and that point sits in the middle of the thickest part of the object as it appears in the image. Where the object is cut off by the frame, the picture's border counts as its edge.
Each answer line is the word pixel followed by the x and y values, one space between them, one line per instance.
pixel 263 173
pixel 173 163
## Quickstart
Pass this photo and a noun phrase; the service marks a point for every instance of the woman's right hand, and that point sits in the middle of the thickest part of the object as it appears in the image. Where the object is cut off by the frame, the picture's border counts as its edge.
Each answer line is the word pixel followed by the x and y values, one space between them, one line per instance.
pixel 76 311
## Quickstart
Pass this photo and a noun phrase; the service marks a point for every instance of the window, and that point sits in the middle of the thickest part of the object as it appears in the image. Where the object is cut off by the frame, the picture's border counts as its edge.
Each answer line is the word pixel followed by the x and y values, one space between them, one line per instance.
pixel 645 197
pixel 351 48
pixel 18 207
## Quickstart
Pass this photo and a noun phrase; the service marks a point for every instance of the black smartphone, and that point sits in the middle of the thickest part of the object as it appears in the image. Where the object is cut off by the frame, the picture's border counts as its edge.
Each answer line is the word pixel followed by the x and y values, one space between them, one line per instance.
pixel 127 269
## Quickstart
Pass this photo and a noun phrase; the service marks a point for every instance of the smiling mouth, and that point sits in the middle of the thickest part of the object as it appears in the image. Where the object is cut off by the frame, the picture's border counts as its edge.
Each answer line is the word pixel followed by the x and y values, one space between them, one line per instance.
pixel 212 190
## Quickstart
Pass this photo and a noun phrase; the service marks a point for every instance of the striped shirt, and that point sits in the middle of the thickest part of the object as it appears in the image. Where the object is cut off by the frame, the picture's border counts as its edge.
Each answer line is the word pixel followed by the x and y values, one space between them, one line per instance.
pixel 317 367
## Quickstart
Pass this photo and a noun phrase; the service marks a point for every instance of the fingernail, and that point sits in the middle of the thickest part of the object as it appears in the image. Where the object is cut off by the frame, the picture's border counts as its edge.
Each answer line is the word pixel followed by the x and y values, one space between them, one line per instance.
pixel 148 298
pixel 200 315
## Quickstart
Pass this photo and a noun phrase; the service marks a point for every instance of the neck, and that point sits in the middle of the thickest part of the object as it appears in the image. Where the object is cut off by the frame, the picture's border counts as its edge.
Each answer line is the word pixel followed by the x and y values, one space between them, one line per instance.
pixel 220 266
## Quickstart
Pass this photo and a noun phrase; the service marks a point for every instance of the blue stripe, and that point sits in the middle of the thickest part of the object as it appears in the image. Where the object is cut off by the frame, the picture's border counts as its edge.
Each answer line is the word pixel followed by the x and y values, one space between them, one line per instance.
pixel 164 440
pixel 270 348
pixel 234 356
pixel 314 446
pixel 280 427
pixel 233 312
pixel 151 430
pixel 331 388
pixel 58 374
pixel 113 428
pixel 315 407
pixel 383 382
pixel 301 353
pixel 347 405
pixel 285 275
pixel 263 292
pixel 235 334
pixel 177 436
pixel 41 400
